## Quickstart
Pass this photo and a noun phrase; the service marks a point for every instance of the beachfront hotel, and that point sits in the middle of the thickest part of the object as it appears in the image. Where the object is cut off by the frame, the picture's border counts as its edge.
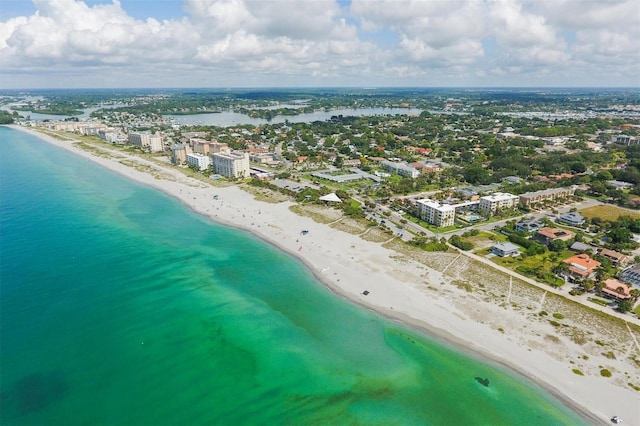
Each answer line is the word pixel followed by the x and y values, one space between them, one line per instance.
pixel 491 203
pixel 202 162
pixel 437 214
pixel 145 140
pixel 180 151
pixel 232 165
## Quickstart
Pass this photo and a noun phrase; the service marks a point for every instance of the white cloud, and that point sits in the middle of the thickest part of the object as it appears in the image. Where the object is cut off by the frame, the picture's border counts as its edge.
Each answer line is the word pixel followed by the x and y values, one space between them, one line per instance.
pixel 319 42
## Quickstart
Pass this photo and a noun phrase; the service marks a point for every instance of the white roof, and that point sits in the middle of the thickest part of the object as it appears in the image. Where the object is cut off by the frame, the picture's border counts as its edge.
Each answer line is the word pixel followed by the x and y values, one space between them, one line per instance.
pixel 331 197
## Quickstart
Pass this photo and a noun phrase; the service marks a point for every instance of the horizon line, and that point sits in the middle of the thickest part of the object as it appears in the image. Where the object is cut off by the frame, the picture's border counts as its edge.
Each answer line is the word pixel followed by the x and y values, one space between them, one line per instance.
pixel 326 88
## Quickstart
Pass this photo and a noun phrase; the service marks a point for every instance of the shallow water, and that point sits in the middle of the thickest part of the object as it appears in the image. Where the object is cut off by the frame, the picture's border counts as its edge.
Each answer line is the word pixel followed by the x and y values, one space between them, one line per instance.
pixel 120 306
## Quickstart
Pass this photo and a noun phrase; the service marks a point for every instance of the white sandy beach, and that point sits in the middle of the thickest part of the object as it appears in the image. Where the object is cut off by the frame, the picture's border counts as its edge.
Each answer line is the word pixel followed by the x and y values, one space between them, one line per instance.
pixel 401 288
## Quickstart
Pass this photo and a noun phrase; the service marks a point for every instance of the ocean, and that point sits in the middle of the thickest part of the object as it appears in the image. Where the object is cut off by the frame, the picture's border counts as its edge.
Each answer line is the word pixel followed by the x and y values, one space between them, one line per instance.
pixel 120 306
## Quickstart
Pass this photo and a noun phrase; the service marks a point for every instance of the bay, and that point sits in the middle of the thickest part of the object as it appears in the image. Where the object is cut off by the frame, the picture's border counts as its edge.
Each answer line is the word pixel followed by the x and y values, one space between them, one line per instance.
pixel 119 305
pixel 230 118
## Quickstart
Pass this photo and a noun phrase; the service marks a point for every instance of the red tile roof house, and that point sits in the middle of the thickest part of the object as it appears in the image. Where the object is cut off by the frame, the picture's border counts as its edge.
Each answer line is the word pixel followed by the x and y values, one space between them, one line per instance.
pixel 615 289
pixel 582 267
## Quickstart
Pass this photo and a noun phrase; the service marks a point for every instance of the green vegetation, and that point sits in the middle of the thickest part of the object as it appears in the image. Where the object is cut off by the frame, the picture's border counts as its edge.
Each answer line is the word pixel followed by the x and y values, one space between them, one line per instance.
pixel 461 243
pixel 7 118
pixel 607 212
pixel 605 373
pixel 578 372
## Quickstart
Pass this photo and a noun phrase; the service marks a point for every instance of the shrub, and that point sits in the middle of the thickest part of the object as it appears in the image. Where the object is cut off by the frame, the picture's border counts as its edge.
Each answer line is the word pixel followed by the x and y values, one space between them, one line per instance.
pixel 578 372
pixel 460 243
pixel 558 316
pixel 605 373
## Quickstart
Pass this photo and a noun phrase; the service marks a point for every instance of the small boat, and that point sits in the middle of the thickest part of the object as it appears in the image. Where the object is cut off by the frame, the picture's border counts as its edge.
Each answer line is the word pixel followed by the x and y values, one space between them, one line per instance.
pixel 616 420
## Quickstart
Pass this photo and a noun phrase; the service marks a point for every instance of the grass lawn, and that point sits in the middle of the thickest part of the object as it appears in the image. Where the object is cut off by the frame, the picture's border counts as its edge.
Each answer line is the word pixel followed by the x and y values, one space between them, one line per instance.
pixel 485 238
pixel 539 266
pixel 608 212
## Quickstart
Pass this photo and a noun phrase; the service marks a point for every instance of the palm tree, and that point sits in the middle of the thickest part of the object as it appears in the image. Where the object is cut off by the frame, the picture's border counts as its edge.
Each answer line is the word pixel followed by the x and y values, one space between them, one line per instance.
pixel 588 285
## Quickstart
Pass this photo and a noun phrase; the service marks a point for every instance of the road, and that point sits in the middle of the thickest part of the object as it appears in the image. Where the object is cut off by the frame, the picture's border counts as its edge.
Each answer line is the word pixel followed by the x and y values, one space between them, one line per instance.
pixel 563 291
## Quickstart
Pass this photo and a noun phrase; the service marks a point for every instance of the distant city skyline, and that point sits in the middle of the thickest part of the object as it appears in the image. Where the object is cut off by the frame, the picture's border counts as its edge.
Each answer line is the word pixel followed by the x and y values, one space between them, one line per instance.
pixel 319 43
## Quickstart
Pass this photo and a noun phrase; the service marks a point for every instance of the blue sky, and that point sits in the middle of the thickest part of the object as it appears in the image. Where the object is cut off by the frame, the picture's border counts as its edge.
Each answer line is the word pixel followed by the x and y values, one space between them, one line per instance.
pixel 316 43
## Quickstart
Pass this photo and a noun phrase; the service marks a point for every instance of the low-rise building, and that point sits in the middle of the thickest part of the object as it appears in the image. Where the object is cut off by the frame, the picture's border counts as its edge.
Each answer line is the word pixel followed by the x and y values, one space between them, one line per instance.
pixel 625 139
pixel 530 198
pixel 581 266
pixel 616 290
pixel 499 201
pixel 437 214
pixel 547 235
pixel 532 225
pixel 618 259
pixel 402 169
pixel 232 165
pixel 505 249
pixel 571 219
pixel 261 157
pixel 582 247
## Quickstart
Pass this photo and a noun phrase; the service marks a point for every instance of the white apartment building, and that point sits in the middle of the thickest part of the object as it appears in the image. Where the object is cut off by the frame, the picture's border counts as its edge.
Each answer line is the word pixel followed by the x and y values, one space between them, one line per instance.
pixel 498 201
pixel 234 164
pixel 402 169
pixel 199 160
pixel 437 214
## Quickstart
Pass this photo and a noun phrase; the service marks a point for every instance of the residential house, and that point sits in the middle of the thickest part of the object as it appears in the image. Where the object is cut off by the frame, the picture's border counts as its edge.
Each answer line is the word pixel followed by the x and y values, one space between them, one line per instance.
pixel 512 180
pixel 618 259
pixel 582 247
pixel 581 266
pixel 505 249
pixel 571 219
pixel 615 289
pixel 547 235
pixel 531 225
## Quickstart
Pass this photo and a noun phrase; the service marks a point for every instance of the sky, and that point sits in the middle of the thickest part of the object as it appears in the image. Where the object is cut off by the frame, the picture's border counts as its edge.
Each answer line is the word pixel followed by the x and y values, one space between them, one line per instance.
pixel 319 43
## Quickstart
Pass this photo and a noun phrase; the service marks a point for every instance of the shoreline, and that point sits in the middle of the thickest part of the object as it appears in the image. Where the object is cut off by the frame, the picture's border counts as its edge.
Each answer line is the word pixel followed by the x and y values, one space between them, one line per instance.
pixel 398 292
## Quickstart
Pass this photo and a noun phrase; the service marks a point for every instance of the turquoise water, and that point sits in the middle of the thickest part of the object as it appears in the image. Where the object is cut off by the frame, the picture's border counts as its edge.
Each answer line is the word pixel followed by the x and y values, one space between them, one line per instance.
pixel 120 306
